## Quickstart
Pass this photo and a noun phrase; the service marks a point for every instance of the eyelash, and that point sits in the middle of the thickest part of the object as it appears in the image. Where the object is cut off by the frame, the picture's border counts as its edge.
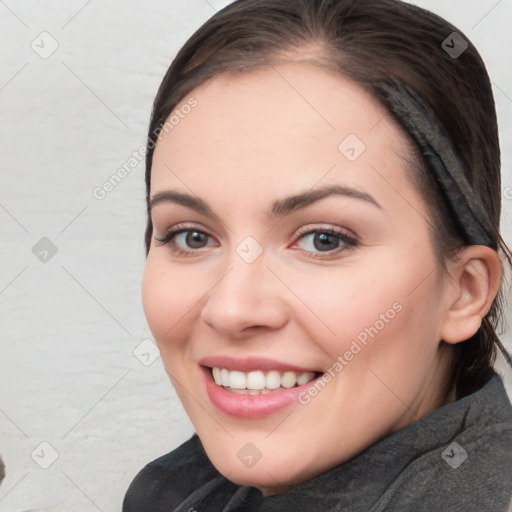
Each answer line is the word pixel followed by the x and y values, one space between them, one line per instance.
pixel 168 238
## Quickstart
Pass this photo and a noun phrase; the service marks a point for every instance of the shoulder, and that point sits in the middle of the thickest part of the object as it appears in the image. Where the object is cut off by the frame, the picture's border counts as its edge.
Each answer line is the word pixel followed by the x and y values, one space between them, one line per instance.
pixel 166 481
pixel 470 474
pixel 473 471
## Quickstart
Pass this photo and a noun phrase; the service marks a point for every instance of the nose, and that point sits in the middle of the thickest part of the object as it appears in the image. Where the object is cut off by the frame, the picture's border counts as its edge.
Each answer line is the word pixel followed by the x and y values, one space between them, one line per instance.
pixel 246 297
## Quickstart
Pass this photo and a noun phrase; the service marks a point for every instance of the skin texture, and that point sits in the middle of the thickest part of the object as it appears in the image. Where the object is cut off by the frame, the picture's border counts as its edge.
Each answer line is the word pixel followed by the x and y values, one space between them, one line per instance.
pixel 260 136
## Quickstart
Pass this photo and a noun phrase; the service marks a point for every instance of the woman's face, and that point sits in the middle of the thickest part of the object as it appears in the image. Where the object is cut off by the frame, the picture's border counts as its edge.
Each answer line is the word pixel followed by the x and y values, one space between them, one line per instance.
pixel 332 303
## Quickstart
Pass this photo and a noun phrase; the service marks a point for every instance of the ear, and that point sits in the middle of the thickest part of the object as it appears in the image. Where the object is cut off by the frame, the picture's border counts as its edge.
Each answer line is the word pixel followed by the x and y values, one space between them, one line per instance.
pixel 475 280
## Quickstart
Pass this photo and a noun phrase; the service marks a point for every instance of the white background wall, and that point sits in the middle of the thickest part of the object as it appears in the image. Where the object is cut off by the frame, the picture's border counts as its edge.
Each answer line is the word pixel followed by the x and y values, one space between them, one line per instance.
pixel 69 326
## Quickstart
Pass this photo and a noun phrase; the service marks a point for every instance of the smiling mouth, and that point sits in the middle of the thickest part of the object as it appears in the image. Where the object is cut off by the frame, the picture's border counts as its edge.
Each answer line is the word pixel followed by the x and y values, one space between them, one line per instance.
pixel 260 382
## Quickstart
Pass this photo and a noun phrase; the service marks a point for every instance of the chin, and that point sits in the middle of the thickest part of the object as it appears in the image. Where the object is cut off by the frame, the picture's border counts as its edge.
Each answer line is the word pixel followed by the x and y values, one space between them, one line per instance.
pixel 271 474
pixel 270 480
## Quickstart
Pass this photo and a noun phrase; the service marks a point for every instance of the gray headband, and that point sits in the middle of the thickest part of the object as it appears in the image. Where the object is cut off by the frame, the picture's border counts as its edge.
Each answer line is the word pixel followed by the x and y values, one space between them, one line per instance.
pixel 424 127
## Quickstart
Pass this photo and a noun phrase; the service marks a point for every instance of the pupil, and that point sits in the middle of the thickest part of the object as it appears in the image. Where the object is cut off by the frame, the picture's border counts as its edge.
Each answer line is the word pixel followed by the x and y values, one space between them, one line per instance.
pixel 195 239
pixel 325 240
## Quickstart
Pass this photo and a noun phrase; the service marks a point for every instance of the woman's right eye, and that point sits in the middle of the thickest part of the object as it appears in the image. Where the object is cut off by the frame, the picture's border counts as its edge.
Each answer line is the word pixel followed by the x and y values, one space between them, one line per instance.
pixel 184 241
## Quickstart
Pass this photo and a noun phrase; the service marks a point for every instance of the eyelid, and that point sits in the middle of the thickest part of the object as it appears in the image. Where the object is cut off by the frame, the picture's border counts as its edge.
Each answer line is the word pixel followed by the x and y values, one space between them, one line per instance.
pixel 181 227
pixel 328 228
pixel 192 226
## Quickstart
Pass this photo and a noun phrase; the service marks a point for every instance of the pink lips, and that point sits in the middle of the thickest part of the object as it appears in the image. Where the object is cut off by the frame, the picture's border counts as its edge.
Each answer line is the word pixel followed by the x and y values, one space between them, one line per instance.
pixel 250 406
pixel 250 364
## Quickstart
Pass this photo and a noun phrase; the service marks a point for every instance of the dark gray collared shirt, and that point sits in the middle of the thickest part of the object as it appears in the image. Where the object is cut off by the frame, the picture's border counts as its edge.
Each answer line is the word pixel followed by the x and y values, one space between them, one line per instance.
pixel 457 458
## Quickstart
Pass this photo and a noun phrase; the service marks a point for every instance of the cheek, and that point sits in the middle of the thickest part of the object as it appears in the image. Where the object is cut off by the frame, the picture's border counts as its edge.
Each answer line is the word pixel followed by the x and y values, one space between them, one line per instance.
pixel 169 298
pixel 347 300
pixel 379 307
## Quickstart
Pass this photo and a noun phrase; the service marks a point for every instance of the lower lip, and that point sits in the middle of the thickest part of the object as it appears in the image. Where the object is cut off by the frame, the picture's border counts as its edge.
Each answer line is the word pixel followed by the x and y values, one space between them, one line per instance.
pixel 251 406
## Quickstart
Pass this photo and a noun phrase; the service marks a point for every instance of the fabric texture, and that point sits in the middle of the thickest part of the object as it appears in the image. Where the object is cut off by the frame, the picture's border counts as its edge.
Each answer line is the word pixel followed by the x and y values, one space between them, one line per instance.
pixel 458 458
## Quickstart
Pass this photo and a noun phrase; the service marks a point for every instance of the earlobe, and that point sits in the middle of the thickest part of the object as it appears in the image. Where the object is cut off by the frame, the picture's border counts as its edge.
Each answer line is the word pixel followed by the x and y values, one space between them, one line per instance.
pixel 476 278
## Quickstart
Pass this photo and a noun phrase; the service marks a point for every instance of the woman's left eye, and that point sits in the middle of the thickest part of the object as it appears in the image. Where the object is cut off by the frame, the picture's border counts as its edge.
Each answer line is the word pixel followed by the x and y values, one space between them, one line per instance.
pixel 326 240
pixel 186 241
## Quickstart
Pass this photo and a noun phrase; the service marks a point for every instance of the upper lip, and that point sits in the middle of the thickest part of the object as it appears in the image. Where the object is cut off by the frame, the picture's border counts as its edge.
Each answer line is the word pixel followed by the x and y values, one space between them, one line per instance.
pixel 250 364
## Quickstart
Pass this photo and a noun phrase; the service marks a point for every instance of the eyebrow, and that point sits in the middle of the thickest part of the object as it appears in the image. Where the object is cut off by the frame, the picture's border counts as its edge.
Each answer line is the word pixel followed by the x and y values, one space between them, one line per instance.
pixel 280 207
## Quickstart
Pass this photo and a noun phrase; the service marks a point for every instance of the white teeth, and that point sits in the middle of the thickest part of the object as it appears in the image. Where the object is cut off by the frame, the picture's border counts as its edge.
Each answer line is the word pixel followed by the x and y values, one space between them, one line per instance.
pixel 216 376
pixel 273 380
pixel 257 382
pixel 304 378
pixel 237 380
pixel 224 377
pixel 289 379
pixel 239 391
pixel 247 391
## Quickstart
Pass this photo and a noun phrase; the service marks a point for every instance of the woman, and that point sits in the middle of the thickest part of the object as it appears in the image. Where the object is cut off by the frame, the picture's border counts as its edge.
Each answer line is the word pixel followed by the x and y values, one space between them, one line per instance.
pixel 323 264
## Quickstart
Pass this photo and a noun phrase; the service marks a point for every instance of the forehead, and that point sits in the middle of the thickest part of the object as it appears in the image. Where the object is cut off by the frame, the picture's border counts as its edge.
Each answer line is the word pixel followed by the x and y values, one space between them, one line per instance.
pixel 278 126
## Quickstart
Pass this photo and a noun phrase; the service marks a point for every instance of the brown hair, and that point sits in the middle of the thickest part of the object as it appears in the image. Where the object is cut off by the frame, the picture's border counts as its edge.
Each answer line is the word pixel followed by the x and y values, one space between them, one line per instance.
pixel 368 41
